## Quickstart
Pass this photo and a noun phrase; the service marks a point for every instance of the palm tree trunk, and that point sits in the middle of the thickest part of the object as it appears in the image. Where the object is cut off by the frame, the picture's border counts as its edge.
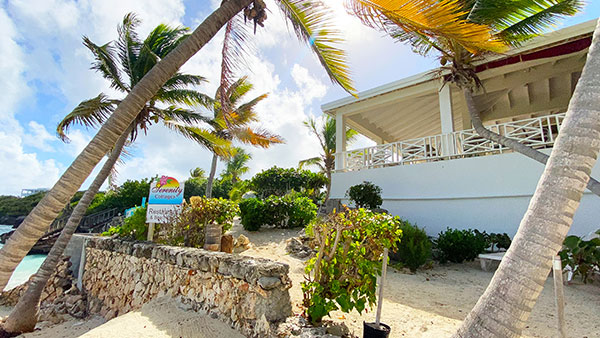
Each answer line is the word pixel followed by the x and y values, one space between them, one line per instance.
pixel 24 316
pixel 593 185
pixel 39 219
pixel 328 186
pixel 211 177
pixel 503 309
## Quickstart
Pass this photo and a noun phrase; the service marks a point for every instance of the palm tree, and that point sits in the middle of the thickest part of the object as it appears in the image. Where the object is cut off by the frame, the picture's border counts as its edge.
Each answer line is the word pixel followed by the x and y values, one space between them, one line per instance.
pixel 234 126
pixel 512 23
pixel 326 136
pixel 140 56
pixel 198 173
pixel 308 18
pixel 236 166
pixel 503 309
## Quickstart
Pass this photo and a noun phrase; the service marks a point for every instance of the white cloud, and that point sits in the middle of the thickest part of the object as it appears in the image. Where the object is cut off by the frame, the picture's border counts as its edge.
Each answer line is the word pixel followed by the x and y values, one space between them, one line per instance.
pixel 38 137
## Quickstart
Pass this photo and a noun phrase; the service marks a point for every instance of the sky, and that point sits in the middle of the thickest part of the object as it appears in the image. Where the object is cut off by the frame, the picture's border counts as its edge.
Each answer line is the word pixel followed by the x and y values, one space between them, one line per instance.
pixel 45 72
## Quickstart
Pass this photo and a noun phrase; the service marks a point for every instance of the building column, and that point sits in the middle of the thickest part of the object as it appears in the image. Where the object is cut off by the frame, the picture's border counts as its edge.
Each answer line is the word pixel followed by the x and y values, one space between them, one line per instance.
pixel 340 140
pixel 447 120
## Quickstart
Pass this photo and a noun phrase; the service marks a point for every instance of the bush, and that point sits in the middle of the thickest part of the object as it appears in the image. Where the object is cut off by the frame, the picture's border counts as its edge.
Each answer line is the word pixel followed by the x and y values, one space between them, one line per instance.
pixel 251 211
pixel 459 245
pixel 187 229
pixel 133 227
pixel 128 195
pixel 279 181
pixel 283 212
pixel 497 241
pixel 343 275
pixel 415 248
pixel 365 195
pixel 583 257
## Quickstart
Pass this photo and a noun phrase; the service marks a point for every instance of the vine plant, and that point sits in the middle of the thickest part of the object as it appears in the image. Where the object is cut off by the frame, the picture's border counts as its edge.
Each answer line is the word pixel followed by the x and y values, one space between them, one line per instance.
pixel 343 274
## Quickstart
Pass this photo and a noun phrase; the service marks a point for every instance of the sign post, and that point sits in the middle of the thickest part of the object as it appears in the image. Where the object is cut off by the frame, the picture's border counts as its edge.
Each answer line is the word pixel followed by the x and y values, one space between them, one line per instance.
pixel 164 202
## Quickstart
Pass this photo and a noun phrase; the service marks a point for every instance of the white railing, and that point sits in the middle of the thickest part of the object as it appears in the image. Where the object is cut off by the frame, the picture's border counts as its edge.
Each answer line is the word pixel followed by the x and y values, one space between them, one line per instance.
pixel 537 132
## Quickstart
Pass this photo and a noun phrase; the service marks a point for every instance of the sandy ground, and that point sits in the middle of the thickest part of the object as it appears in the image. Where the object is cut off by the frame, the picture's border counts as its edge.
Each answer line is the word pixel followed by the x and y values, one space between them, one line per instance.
pixel 431 303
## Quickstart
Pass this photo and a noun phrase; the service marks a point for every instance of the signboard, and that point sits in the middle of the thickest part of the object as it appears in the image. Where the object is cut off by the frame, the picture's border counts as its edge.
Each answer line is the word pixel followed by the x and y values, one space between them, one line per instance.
pixel 162 213
pixel 165 190
pixel 164 200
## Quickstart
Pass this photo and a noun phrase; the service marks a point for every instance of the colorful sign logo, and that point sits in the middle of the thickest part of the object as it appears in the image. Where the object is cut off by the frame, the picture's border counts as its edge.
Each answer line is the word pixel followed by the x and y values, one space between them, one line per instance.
pixel 165 190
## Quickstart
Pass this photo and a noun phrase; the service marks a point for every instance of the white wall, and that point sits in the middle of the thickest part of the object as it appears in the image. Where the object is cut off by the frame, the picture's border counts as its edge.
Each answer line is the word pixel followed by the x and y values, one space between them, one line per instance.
pixel 489 193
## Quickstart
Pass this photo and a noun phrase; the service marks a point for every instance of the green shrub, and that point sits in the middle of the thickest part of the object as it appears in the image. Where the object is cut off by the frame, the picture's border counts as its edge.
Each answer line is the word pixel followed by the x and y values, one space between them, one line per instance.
pixel 283 212
pixel 187 229
pixel 365 195
pixel 415 248
pixel 583 257
pixel 343 275
pixel 279 181
pixel 128 195
pixel 133 227
pixel 251 211
pixel 459 245
pixel 496 242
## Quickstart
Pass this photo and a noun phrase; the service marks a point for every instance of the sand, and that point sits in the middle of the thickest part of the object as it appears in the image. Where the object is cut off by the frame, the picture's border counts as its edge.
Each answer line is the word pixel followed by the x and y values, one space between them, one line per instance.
pixel 430 303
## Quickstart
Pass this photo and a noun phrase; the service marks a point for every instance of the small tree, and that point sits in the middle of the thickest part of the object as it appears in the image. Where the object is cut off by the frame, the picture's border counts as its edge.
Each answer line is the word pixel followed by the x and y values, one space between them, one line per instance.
pixel 365 195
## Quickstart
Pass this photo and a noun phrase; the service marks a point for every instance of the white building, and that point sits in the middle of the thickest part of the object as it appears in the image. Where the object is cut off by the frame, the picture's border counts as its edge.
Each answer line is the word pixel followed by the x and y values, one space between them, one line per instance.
pixel 434 169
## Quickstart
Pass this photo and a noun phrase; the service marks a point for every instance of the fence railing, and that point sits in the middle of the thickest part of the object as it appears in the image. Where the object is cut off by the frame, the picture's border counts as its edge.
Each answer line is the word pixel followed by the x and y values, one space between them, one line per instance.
pixel 539 132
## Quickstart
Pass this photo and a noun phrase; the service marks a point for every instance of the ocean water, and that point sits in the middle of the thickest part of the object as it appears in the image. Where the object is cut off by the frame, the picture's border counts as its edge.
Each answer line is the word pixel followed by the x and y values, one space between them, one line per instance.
pixel 28 266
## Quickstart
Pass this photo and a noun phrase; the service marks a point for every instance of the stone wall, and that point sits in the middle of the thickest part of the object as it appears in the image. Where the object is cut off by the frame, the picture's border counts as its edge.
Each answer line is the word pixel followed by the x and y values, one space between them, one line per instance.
pixel 248 293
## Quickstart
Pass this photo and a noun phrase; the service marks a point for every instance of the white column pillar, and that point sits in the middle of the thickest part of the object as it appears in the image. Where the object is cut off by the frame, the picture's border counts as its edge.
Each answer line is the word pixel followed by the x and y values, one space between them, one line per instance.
pixel 447 120
pixel 340 140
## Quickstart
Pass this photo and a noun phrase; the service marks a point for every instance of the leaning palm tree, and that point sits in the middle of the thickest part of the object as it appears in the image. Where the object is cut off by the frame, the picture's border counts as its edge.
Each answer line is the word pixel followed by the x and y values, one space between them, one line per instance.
pixel 503 309
pixel 123 75
pixel 309 20
pixel 511 22
pixel 326 136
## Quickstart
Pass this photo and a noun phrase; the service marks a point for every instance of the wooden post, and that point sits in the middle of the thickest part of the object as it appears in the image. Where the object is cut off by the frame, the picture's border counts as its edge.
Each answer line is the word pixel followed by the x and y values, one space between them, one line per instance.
pixel 150 231
pixel 381 282
pixel 560 296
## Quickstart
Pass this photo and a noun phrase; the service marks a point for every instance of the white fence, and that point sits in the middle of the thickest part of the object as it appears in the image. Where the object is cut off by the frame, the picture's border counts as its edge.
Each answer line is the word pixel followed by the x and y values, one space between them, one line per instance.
pixel 537 132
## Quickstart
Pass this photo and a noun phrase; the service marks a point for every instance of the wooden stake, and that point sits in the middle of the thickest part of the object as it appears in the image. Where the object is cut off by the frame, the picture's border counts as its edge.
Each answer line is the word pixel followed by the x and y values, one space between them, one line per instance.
pixel 381 281
pixel 150 231
pixel 560 296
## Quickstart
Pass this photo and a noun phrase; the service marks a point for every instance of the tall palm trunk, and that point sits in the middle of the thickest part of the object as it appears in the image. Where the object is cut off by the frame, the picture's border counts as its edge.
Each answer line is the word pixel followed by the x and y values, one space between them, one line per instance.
pixel 211 176
pixel 503 309
pixel 593 185
pixel 24 316
pixel 39 219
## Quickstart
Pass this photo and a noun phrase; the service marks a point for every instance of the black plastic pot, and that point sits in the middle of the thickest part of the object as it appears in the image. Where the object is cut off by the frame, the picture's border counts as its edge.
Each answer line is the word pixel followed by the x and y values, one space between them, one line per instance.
pixel 372 330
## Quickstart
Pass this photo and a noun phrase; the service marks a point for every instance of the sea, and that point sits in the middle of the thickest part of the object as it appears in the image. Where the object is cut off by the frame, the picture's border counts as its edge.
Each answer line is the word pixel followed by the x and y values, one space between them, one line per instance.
pixel 28 266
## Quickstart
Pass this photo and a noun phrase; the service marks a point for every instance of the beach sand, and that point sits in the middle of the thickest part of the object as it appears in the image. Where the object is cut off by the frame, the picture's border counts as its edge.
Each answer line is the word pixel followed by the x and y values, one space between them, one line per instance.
pixel 430 303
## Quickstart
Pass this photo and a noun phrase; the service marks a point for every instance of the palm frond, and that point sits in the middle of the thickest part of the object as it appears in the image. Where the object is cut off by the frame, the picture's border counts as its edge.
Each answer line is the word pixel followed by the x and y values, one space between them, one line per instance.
pixel 161 40
pixel 237 47
pixel 105 63
pixel 89 113
pixel 184 96
pixel 256 137
pixel 312 22
pixel 245 113
pixel 180 115
pixel 316 161
pixel 128 47
pixel 182 81
pixel 440 18
pixel 220 146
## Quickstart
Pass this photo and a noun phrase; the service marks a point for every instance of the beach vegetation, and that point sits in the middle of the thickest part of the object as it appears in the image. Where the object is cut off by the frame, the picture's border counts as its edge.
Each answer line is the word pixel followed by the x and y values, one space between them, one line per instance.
pixel 343 274
pixel 281 181
pixel 457 246
pixel 289 211
pixel 365 195
pixel 582 257
pixel 414 250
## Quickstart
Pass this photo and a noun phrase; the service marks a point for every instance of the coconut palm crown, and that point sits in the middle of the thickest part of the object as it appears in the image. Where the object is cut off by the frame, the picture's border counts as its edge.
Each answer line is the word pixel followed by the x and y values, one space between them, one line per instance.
pixel 123 63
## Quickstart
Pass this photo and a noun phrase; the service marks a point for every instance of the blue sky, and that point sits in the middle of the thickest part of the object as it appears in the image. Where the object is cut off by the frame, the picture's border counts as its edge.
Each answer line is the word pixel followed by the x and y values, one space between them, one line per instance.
pixel 45 73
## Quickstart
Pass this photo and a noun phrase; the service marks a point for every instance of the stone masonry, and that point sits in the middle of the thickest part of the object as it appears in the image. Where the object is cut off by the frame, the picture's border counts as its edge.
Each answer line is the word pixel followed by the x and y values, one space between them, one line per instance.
pixel 248 293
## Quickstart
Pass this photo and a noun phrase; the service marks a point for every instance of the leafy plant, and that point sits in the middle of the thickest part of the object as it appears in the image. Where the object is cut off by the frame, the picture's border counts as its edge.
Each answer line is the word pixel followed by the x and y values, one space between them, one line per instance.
pixel 459 245
pixel 496 241
pixel 344 272
pixel 583 257
pixel 365 195
pixel 279 181
pixel 415 248
pixel 289 211
pixel 187 228
pixel 128 195
pixel 134 226
pixel 251 211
